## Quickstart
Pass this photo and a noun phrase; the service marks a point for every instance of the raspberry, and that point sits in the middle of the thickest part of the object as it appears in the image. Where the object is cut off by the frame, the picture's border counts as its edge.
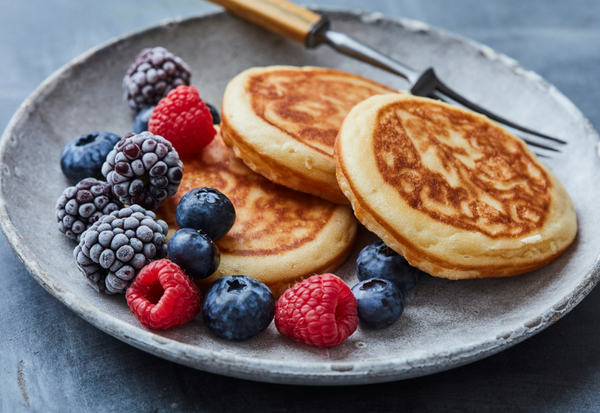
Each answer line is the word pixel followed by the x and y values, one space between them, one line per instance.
pixel 184 120
pixel 163 297
pixel 380 302
pixel 153 74
pixel 320 311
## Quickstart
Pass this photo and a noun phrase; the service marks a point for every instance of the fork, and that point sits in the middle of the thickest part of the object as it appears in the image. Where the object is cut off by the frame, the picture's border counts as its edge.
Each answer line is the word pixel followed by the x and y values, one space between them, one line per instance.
pixel 311 29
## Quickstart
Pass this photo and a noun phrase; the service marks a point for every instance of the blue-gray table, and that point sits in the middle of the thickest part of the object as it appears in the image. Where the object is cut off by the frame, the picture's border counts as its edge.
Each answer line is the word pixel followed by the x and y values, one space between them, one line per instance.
pixel 53 361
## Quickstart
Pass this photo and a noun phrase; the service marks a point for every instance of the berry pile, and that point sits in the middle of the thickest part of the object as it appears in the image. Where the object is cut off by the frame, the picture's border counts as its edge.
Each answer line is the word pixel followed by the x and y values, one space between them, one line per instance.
pixel 118 246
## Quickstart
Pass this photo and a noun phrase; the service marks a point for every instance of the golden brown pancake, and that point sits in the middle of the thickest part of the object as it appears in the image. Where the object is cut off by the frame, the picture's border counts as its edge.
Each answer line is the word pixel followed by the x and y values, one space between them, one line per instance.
pixel 280 236
pixel 451 190
pixel 283 120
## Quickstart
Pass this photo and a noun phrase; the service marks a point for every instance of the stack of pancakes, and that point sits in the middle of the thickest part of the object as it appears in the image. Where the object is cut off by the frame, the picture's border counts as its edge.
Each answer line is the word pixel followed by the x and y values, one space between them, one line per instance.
pixel 283 122
pixel 449 189
pixel 292 219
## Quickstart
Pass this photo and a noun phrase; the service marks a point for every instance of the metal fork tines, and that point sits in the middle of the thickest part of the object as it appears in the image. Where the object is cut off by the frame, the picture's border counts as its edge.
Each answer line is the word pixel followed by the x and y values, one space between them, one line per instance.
pixel 427 84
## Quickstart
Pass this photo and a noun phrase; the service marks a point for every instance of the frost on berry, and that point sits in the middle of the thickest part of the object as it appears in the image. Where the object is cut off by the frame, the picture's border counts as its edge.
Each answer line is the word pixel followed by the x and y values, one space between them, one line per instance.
pixel 143 169
pixel 116 247
pixel 83 204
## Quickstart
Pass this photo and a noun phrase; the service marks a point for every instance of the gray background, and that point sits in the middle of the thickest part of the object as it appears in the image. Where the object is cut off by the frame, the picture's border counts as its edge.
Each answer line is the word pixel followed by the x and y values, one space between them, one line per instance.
pixel 53 361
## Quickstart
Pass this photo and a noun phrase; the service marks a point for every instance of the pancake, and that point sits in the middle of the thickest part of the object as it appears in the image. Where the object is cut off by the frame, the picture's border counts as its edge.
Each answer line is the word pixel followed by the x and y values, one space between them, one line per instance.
pixel 452 191
pixel 280 236
pixel 282 121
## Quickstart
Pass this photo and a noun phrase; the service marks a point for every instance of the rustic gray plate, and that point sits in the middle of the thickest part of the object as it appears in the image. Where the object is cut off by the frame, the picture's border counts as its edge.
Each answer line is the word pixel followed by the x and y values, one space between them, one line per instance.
pixel 445 324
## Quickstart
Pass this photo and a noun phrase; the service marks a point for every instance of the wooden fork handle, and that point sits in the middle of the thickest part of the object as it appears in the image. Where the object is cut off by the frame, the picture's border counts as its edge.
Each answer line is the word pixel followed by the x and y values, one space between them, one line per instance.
pixel 279 16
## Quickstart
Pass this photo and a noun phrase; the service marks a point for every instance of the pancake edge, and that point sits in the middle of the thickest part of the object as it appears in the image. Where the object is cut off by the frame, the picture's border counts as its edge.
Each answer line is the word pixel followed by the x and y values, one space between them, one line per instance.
pixel 311 171
pixel 418 256
pixel 318 184
pixel 295 265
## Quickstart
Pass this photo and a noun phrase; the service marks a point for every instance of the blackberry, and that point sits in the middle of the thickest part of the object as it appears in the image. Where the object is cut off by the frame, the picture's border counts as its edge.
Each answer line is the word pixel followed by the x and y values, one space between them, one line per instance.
pixel 152 75
pixel 143 169
pixel 83 204
pixel 117 246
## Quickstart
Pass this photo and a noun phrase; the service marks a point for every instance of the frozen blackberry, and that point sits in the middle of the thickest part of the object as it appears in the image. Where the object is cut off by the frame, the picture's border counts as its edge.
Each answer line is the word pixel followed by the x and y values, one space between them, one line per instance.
pixel 153 74
pixel 117 246
pixel 143 169
pixel 83 204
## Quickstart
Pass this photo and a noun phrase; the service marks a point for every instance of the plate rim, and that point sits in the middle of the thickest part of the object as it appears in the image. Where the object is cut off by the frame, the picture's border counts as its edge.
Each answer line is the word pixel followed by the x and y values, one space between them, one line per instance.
pixel 227 363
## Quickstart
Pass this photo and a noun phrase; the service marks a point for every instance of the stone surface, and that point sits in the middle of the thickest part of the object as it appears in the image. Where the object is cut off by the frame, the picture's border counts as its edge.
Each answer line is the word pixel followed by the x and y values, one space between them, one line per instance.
pixel 54 361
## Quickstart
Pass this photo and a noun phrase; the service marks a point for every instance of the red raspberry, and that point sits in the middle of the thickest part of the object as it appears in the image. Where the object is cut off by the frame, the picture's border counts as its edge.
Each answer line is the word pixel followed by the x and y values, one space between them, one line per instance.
pixel 320 311
pixel 162 296
pixel 184 120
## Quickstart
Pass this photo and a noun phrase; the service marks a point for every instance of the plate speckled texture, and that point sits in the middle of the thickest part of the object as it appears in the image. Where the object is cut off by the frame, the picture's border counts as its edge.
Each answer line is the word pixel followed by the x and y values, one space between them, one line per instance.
pixel 445 324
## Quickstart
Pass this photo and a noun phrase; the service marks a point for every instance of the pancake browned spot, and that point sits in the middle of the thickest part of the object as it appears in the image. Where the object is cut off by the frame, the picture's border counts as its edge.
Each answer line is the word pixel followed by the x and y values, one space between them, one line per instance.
pixel 451 190
pixel 501 191
pixel 283 121
pixel 279 235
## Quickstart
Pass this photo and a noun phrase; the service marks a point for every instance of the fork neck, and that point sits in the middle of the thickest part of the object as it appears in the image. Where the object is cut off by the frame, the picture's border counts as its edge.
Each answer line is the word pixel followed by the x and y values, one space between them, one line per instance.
pixel 321 33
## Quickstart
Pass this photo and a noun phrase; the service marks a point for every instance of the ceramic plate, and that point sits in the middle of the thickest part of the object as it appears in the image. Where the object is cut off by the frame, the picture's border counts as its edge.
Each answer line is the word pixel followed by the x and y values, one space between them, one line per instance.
pixel 445 323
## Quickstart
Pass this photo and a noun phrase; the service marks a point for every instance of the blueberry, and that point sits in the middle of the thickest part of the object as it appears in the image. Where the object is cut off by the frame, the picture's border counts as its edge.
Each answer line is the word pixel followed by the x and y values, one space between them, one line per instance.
pixel 141 120
pixel 208 210
pixel 238 307
pixel 380 302
pixel 214 113
pixel 194 252
pixel 379 261
pixel 83 156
